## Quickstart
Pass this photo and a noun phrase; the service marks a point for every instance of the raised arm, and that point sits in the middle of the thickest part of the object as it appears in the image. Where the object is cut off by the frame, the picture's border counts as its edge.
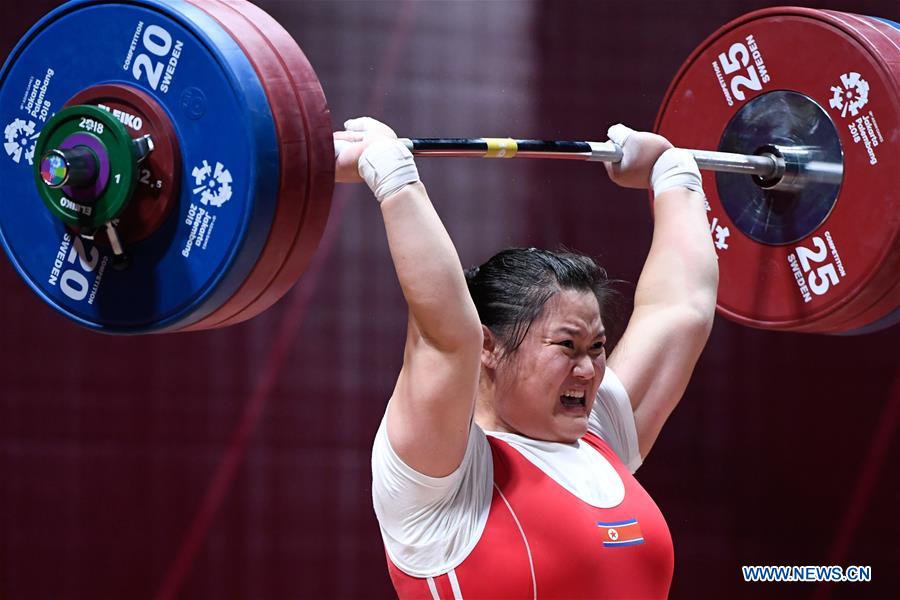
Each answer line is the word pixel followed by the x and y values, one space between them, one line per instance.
pixel 431 408
pixel 675 298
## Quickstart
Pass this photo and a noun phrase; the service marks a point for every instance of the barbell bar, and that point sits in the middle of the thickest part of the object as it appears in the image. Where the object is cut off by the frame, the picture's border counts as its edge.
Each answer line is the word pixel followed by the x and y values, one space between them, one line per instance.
pixel 769 166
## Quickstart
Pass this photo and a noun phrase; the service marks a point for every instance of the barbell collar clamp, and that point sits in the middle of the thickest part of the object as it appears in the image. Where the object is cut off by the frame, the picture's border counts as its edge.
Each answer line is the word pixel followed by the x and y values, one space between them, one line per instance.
pixel 70 167
pixel 120 260
pixel 143 146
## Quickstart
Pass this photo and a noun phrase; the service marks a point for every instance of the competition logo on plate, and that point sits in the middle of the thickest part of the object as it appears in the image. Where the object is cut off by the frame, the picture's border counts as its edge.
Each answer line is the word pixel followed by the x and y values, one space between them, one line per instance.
pixel 851 95
pixel 20 140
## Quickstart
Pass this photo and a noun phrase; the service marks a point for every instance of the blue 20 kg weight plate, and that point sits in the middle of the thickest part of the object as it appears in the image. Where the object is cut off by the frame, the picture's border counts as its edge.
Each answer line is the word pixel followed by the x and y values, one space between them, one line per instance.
pixel 218 107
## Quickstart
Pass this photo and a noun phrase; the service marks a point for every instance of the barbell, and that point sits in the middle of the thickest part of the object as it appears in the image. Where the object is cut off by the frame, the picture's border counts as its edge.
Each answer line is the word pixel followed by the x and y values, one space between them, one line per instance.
pixel 181 178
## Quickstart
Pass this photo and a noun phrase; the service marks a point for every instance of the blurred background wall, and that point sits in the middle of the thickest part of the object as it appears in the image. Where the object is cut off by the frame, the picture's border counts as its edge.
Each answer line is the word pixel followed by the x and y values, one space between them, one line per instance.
pixel 235 463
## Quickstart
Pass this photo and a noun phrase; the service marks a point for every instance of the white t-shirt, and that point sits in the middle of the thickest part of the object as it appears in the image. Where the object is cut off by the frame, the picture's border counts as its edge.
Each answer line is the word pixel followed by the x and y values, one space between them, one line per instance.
pixel 430 524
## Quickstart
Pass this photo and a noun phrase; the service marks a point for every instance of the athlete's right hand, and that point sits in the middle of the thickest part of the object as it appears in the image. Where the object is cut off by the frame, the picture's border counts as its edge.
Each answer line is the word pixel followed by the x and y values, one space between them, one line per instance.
pixel 350 143
pixel 368 150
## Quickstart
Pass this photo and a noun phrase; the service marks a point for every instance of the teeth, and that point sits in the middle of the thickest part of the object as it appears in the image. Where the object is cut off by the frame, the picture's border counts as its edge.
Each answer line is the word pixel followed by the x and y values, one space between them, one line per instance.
pixel 574 394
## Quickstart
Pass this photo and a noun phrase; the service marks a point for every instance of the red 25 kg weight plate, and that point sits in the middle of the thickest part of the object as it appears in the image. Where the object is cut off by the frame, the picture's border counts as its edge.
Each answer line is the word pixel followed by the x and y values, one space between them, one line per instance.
pixel 845 265
pixel 320 163
pixel 301 116
pixel 883 311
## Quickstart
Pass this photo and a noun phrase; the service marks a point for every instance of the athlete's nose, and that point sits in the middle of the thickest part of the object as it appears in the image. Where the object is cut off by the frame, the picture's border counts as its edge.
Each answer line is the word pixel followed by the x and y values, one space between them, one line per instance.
pixel 584 367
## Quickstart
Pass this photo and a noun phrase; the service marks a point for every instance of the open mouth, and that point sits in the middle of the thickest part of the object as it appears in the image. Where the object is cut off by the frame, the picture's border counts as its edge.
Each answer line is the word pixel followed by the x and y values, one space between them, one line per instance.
pixel 573 399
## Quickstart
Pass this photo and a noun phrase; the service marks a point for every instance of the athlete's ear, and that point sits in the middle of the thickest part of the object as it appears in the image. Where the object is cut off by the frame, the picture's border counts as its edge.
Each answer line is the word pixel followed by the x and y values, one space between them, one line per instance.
pixel 490 350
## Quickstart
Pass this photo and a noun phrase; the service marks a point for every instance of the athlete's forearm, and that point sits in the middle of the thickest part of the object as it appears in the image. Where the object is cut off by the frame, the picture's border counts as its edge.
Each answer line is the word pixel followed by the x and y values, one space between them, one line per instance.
pixel 429 270
pixel 681 269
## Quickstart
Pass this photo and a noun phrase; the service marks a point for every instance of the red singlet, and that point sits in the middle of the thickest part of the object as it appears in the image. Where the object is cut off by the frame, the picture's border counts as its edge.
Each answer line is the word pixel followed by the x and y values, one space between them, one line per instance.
pixel 541 541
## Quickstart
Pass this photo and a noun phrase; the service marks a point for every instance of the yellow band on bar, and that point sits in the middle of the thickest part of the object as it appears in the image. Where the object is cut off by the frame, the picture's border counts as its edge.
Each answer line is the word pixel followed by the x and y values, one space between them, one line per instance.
pixel 500 148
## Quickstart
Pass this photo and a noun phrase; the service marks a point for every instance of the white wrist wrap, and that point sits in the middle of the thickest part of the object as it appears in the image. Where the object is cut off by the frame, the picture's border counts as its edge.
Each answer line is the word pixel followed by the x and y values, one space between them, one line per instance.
pixel 675 168
pixel 387 166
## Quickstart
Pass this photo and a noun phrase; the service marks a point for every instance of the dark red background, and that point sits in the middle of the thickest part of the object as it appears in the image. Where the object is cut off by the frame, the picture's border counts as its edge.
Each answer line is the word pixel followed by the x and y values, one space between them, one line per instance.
pixel 235 463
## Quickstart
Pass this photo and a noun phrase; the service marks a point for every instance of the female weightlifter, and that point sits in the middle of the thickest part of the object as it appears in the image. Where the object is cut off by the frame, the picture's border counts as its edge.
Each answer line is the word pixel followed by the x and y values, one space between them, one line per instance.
pixel 503 465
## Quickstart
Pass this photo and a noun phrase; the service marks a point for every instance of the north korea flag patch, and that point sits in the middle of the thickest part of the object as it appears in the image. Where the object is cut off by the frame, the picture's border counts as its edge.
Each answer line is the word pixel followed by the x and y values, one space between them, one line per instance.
pixel 621 533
